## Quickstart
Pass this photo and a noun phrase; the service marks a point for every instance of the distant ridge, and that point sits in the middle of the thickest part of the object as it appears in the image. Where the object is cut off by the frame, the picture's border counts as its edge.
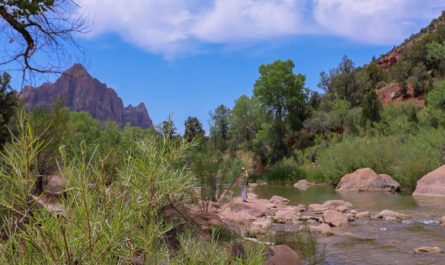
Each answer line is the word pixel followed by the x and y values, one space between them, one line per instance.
pixel 81 92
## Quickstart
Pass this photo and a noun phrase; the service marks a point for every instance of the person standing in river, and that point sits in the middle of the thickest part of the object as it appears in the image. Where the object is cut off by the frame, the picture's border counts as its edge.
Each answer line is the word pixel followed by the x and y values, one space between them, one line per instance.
pixel 244 184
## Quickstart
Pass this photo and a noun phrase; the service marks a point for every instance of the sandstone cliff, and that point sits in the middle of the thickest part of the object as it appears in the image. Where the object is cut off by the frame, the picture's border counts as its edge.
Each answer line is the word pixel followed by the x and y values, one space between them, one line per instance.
pixel 81 92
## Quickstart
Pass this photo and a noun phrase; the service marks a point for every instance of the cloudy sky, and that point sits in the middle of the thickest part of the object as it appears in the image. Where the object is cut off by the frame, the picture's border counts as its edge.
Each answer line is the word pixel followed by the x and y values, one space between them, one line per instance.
pixel 184 57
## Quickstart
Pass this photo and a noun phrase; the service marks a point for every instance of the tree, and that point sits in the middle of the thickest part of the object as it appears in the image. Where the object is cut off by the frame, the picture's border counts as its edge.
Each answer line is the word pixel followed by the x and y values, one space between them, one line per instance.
pixel 8 105
pixel 371 107
pixel 436 97
pixel 283 96
pixel 193 129
pixel 37 28
pixel 342 81
pixel 219 131
pixel 245 121
pixel 167 129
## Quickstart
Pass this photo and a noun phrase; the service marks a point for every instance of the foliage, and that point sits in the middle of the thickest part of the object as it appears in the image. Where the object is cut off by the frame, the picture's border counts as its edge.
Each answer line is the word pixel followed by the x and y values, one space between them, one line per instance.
pixel 284 171
pixel 8 105
pixel 371 107
pixel 405 157
pixel 193 129
pixel 219 131
pixel 436 97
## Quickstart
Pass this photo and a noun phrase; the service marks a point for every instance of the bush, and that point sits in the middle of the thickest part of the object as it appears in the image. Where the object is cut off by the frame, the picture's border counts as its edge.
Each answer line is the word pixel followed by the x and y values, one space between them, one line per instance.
pixel 284 171
pixel 405 157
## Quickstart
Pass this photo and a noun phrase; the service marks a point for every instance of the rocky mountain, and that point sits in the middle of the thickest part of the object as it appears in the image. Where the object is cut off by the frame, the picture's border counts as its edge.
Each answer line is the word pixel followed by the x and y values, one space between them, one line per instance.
pixel 81 92
pixel 392 57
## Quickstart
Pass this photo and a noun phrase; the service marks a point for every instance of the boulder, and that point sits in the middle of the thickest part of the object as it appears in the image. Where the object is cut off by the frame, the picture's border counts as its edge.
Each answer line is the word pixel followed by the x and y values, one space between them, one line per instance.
pixel 432 184
pixel 286 214
pixel 335 218
pixel 428 250
pixel 303 184
pixel 442 220
pixel 333 204
pixel 317 208
pixel 366 179
pixel 323 229
pixel 389 215
pixel 278 200
pixel 282 255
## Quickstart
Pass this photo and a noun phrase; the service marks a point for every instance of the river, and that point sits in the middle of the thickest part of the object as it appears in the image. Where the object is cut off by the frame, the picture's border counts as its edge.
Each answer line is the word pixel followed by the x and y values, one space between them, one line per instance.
pixel 375 242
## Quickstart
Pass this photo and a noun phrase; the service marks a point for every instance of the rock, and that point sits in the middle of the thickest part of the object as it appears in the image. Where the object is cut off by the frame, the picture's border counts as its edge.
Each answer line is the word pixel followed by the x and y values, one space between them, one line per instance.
pixel 428 250
pixel 54 186
pixel 442 220
pixel 365 214
pixel 432 184
pixel 303 184
pixel 391 215
pixel 81 92
pixel 342 209
pixel 308 218
pixel 366 179
pixel 350 217
pixel 335 218
pixel 318 208
pixel 333 204
pixel 282 255
pixel 323 229
pixel 278 200
pixel 287 214
pixel 53 207
pixel 301 208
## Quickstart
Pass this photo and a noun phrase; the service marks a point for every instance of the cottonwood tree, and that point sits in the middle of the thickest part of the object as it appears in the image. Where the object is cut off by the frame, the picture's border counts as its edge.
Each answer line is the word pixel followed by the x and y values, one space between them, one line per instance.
pixel 35 34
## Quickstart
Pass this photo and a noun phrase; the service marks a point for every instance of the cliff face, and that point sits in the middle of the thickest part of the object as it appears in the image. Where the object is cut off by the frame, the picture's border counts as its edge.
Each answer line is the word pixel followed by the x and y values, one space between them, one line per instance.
pixel 81 92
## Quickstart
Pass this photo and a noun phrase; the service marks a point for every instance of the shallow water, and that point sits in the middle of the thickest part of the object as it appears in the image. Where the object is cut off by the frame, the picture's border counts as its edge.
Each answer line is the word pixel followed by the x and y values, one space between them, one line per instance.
pixel 375 242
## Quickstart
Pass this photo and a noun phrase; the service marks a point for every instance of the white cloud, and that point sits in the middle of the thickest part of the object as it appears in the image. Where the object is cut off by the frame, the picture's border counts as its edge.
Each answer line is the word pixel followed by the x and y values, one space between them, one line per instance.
pixel 170 27
pixel 374 21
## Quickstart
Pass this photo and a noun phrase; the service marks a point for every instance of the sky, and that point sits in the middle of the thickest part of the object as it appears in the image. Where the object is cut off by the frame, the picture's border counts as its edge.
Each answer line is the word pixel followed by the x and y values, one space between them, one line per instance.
pixel 185 57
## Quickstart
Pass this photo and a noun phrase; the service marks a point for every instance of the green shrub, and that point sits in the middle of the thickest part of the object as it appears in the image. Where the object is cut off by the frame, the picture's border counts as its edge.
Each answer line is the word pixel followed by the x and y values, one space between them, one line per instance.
pixel 284 171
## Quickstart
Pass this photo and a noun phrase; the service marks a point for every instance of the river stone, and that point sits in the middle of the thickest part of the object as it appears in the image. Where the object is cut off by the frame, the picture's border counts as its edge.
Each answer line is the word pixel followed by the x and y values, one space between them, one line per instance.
pixel 335 218
pixel 278 200
pixel 282 255
pixel 333 204
pixel 389 215
pixel 303 184
pixel 323 229
pixel 432 184
pixel 342 209
pixel 318 208
pixel 365 214
pixel 365 179
pixel 442 220
pixel 428 250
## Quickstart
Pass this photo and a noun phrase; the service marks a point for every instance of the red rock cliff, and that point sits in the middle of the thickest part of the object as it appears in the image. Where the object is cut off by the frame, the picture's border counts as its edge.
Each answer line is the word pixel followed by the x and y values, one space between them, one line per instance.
pixel 81 92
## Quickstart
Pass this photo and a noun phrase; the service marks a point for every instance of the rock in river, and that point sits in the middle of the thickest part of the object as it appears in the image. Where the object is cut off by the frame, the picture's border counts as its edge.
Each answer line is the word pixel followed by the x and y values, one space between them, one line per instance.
pixel 365 179
pixel 432 184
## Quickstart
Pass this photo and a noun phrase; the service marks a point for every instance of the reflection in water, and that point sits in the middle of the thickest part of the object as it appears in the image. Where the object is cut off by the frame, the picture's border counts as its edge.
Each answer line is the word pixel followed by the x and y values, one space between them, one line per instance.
pixel 370 242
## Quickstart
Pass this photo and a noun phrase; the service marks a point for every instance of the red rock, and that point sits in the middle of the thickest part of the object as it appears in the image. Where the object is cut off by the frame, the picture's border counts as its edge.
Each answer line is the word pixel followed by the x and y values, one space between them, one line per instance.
pixel 365 179
pixel 282 255
pixel 432 184
pixel 81 92
pixel 335 218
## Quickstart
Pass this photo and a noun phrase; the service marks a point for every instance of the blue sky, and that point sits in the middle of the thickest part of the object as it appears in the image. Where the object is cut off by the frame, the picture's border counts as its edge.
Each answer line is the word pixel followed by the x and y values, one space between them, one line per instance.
pixel 186 57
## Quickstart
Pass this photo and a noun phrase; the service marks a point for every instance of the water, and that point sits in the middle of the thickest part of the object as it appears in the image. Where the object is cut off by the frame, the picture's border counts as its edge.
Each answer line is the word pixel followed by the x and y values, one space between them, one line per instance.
pixel 375 242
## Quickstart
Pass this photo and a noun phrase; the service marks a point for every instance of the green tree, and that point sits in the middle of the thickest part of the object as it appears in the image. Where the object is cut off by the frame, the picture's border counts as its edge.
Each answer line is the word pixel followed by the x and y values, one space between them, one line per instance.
pixel 372 107
pixel 167 129
pixel 342 81
pixel 8 105
pixel 245 121
pixel 436 97
pixel 193 129
pixel 283 95
pixel 219 131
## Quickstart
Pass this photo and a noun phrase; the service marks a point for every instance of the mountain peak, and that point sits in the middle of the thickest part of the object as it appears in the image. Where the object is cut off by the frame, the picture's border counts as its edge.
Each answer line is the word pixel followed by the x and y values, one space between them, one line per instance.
pixel 77 70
